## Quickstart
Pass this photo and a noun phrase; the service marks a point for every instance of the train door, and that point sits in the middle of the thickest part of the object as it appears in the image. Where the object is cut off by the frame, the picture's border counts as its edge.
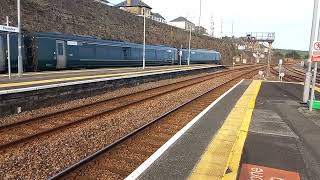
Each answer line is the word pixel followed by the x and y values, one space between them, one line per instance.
pixel 61 54
pixel 2 55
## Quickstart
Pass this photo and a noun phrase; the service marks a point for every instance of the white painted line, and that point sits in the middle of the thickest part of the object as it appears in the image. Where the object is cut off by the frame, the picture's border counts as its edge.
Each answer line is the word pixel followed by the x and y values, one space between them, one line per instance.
pixel 145 165
pixel 275 134
pixel 284 82
pixel 33 88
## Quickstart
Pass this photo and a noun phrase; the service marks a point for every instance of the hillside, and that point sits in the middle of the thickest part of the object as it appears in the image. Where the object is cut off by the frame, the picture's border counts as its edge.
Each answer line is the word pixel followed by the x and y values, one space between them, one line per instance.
pixel 283 52
pixel 87 17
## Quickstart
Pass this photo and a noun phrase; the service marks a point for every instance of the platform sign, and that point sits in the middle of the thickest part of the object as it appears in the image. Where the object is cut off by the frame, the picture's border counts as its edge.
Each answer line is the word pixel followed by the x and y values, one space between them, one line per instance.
pixel 249 171
pixel 316 52
pixel 9 29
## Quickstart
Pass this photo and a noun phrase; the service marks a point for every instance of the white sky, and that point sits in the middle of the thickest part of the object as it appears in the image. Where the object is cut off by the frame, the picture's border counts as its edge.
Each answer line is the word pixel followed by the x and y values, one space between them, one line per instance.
pixel 289 19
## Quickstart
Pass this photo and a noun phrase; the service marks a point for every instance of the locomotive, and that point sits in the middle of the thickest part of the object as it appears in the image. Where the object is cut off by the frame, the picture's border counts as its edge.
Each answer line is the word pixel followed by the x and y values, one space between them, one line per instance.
pixel 54 51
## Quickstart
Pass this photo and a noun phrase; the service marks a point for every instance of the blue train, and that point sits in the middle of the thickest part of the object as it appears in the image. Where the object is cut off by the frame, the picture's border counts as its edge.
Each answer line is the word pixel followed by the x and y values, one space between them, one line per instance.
pixel 52 51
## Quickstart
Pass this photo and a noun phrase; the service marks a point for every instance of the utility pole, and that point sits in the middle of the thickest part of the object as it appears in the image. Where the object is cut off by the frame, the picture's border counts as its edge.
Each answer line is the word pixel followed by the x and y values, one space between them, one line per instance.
pixel 232 29
pixel 144 40
pixel 221 28
pixel 8 51
pixel 314 79
pixel 200 17
pixel 306 90
pixel 20 63
pixel 269 59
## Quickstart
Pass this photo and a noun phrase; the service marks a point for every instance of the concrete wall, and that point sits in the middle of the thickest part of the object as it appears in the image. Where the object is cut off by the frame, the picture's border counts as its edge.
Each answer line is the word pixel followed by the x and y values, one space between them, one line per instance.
pixel 88 17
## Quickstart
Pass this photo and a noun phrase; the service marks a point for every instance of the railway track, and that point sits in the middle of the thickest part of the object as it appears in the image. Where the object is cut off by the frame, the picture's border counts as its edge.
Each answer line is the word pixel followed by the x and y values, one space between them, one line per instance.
pixel 296 74
pixel 119 159
pixel 28 129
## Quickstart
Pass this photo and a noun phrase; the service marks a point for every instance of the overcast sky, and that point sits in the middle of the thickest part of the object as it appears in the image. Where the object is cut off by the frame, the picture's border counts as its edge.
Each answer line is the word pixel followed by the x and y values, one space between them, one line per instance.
pixel 289 19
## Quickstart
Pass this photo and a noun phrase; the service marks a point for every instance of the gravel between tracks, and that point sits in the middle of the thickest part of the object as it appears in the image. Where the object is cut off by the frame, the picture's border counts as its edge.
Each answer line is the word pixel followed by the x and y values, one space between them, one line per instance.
pixel 47 155
pixel 89 100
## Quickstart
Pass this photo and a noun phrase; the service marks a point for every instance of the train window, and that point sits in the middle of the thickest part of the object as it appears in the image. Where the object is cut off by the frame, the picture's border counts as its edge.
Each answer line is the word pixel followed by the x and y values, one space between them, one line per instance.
pixel 60 49
pixel 126 52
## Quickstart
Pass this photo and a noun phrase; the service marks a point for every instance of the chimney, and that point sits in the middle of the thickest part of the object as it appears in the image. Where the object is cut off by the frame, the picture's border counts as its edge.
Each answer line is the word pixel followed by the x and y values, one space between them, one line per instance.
pixel 129 3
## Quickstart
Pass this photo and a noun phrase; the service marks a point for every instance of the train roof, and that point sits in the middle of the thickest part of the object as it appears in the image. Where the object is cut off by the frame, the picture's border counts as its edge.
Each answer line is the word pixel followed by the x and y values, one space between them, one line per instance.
pixel 201 50
pixel 91 40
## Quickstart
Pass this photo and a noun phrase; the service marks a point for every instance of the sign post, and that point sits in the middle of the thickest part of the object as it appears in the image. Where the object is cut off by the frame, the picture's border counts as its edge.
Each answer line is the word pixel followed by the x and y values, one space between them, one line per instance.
pixel 9 29
pixel 280 68
pixel 315 58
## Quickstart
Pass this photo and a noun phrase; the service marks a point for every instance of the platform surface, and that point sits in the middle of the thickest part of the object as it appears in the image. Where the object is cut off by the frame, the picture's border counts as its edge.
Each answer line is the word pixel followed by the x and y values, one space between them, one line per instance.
pixel 277 137
pixel 31 79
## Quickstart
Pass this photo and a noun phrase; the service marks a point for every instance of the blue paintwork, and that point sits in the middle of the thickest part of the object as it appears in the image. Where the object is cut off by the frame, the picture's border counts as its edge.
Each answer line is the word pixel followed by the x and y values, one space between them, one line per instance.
pixel 198 56
pixel 13 53
pixel 40 52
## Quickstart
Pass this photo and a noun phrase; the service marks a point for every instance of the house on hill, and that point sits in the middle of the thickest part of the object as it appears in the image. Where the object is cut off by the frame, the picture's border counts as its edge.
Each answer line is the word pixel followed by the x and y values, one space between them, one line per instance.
pixel 135 6
pixel 201 30
pixel 183 23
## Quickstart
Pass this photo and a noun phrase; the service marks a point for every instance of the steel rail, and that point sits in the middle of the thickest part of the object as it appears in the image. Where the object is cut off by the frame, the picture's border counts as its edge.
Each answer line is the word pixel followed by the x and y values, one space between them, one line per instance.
pixel 91 157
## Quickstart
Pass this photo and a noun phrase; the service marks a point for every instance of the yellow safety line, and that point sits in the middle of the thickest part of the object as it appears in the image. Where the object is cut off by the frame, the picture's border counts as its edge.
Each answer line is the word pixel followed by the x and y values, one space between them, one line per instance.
pixel 86 77
pixel 93 70
pixel 224 151
pixel 317 89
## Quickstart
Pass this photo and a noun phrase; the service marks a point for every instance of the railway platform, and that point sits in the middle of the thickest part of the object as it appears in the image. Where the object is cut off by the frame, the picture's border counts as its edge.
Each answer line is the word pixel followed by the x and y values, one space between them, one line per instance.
pixel 256 130
pixel 49 79
pixel 41 89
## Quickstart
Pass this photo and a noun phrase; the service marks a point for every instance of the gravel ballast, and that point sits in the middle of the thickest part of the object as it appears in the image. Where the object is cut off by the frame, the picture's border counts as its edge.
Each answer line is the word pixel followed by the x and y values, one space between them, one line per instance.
pixel 47 155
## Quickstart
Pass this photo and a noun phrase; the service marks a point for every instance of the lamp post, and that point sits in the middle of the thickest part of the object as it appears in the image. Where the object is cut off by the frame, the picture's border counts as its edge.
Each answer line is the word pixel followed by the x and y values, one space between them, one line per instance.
pixel 189 54
pixel 20 63
pixel 8 47
pixel 144 40
pixel 306 90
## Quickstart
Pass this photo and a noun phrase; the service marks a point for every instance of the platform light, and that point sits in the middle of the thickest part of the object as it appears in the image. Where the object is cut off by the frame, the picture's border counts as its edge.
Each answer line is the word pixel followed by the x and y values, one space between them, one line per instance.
pixel 20 63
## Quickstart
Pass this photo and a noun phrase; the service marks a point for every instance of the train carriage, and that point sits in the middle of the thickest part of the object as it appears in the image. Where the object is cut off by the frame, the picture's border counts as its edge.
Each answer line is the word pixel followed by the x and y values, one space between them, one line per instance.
pixel 58 51
pixel 200 56
pixel 54 51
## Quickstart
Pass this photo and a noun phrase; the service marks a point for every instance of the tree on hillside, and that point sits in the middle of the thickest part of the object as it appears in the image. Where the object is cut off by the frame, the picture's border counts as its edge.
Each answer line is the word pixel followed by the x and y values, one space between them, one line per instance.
pixel 278 55
pixel 293 55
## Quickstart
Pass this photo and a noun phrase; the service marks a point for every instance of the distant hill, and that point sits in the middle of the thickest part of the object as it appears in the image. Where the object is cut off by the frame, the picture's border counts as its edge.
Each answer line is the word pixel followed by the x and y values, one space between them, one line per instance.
pixel 296 54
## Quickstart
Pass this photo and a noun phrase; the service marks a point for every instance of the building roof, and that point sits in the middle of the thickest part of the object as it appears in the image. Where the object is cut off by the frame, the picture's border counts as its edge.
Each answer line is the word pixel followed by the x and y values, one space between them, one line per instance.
pixel 103 1
pixel 157 15
pixel 134 3
pixel 181 19
pixel 200 27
